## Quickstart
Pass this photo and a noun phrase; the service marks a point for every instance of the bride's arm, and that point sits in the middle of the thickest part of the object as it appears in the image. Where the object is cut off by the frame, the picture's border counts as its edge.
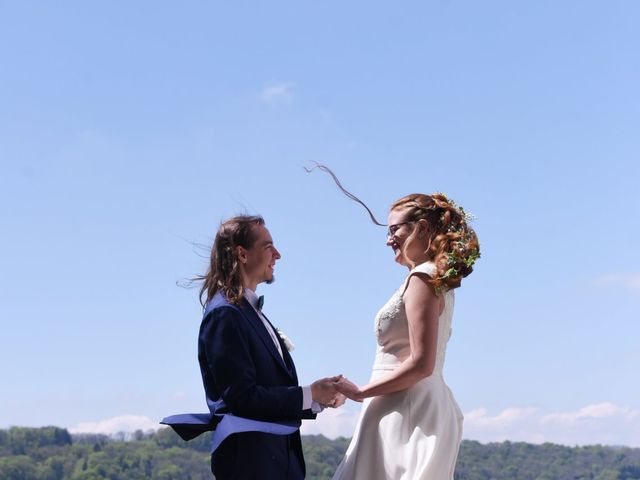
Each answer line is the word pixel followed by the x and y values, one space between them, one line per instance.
pixel 423 308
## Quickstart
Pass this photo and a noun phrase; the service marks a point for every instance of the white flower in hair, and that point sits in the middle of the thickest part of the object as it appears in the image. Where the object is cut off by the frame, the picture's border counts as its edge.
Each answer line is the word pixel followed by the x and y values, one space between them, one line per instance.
pixel 287 341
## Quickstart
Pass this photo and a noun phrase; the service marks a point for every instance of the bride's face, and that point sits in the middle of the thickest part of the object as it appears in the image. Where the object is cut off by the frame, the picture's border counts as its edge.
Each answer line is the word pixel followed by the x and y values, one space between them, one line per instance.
pixel 399 230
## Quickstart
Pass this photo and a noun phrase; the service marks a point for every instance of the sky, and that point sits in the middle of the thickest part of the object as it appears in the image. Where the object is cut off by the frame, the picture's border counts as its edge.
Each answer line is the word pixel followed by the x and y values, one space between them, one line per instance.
pixel 130 130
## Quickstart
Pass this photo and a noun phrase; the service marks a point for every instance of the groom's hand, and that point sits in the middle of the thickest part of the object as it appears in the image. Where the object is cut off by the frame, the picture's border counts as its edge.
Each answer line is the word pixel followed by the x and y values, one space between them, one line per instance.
pixel 339 400
pixel 324 391
pixel 349 389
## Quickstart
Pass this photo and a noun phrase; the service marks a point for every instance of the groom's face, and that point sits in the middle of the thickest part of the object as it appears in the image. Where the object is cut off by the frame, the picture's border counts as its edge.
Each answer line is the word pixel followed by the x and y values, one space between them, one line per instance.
pixel 261 257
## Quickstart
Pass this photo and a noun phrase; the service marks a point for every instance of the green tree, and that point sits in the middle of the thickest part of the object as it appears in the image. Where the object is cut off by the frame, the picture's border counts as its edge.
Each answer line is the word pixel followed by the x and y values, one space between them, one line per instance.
pixel 17 467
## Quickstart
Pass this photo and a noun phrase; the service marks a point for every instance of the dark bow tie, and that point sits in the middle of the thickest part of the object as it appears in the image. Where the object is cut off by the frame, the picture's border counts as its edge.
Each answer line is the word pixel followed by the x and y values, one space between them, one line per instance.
pixel 260 302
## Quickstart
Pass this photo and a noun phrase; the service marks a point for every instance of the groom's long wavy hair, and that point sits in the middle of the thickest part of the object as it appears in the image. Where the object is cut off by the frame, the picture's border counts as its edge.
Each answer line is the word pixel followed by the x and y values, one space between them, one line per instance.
pixel 224 273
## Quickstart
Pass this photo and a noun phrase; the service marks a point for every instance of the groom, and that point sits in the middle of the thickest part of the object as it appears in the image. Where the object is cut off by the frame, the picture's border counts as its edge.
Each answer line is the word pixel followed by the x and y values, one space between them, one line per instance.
pixel 250 381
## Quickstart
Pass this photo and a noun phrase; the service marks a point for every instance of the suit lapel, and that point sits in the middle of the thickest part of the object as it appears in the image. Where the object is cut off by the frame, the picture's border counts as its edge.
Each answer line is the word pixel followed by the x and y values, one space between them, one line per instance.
pixel 255 321
pixel 285 352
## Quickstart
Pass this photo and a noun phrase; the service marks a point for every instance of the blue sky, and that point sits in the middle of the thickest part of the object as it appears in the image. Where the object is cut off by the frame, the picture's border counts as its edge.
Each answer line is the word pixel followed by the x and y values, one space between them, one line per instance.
pixel 128 131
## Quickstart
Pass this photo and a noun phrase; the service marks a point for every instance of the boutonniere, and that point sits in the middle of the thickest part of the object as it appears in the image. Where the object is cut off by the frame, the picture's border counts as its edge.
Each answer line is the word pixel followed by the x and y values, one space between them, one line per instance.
pixel 287 341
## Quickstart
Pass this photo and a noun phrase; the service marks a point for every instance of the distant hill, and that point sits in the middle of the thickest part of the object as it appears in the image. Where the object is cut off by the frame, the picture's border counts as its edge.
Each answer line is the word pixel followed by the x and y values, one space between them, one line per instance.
pixel 51 453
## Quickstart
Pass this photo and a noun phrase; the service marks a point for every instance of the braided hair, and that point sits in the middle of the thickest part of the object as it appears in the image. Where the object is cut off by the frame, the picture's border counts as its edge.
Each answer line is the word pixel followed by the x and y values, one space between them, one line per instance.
pixel 452 245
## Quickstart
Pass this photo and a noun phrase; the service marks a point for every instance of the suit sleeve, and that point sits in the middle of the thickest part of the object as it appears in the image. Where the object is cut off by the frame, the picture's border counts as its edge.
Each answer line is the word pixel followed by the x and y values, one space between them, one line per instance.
pixel 225 341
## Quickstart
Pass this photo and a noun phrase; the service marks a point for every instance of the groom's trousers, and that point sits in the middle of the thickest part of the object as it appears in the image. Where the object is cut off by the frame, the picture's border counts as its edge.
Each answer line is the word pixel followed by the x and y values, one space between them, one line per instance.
pixel 257 456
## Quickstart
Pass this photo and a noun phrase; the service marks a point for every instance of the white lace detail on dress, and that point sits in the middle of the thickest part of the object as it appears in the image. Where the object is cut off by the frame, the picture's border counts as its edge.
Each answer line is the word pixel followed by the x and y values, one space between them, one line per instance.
pixel 388 313
pixel 392 329
pixel 395 305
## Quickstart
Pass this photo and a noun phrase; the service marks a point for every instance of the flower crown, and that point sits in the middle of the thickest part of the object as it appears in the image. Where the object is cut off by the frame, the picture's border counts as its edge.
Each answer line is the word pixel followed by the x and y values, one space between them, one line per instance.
pixel 461 252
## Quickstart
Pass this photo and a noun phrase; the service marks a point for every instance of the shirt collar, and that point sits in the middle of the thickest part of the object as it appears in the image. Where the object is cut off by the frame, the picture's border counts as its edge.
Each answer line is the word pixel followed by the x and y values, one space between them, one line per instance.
pixel 251 297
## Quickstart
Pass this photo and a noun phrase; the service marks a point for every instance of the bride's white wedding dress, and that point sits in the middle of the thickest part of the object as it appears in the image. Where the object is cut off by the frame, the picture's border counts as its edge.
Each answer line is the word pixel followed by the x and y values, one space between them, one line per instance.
pixel 413 434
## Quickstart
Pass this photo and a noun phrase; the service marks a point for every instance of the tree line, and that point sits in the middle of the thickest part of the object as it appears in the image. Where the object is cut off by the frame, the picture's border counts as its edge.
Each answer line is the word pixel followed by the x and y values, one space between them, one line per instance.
pixel 52 453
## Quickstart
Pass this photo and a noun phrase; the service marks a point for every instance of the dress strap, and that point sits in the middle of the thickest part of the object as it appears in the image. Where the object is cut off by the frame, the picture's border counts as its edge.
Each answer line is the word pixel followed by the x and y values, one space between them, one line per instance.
pixel 428 268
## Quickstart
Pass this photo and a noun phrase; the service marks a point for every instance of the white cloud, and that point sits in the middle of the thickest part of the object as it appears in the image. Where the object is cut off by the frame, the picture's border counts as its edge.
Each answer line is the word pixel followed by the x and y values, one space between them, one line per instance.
pixel 596 411
pixel 332 423
pixel 122 423
pixel 630 281
pixel 601 423
pixel 281 92
pixel 479 419
pixel 513 423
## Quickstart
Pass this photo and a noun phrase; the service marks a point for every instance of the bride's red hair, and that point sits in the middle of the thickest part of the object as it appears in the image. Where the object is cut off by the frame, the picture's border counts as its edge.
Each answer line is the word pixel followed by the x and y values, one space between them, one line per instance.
pixel 451 244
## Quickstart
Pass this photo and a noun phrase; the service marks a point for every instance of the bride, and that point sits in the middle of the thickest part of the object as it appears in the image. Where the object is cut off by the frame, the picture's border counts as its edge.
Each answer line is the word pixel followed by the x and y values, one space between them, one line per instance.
pixel 410 425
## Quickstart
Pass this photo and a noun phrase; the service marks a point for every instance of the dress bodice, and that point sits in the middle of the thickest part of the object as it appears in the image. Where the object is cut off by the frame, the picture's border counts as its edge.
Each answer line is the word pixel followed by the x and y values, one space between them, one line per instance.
pixel 392 328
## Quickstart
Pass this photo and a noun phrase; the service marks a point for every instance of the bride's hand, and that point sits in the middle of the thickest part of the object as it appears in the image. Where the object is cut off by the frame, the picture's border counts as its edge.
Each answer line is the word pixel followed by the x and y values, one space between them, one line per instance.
pixel 349 389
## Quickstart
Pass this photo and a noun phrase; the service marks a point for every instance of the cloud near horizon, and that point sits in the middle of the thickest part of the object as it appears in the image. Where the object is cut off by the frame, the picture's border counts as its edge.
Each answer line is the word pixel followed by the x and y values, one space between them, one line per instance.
pixel 121 423
pixel 602 423
pixel 333 422
pixel 597 411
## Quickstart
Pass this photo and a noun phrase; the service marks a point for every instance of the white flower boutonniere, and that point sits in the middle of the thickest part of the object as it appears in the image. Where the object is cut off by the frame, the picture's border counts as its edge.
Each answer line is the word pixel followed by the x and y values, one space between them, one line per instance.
pixel 287 341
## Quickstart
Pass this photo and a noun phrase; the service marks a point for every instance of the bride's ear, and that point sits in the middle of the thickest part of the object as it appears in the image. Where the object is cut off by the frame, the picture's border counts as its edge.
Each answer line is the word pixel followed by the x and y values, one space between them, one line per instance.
pixel 423 228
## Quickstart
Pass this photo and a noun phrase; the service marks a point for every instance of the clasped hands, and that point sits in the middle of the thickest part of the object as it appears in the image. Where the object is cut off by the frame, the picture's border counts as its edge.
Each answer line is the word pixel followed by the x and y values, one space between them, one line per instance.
pixel 333 391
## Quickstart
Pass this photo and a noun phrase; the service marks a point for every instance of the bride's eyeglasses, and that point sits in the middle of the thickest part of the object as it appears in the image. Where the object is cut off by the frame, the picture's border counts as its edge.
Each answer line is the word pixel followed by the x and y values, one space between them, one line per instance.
pixel 392 229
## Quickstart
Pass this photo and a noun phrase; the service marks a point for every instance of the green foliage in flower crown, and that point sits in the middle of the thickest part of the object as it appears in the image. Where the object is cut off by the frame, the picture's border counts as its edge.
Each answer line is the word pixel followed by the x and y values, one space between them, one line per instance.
pixel 471 259
pixel 452 272
pixel 461 254
pixel 462 244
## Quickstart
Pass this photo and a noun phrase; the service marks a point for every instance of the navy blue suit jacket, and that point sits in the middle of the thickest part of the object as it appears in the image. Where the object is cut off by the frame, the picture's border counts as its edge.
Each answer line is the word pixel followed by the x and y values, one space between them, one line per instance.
pixel 244 374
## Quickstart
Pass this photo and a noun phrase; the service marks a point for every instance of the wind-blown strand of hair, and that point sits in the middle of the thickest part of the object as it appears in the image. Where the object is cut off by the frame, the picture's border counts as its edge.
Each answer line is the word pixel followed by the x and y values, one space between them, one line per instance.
pixel 350 195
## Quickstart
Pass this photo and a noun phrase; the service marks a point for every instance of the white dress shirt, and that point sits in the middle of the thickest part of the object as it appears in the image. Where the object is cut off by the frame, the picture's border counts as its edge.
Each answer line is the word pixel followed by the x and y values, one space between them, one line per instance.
pixel 307 401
